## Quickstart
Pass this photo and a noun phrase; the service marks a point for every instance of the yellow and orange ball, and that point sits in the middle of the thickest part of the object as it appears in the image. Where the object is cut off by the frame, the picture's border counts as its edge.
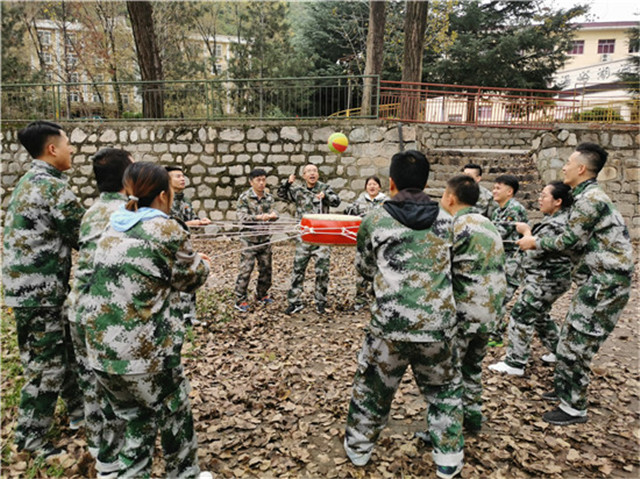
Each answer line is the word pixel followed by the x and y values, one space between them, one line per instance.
pixel 338 143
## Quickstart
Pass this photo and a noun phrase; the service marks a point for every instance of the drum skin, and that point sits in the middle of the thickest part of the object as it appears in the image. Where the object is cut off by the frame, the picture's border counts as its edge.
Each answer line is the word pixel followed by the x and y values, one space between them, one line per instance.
pixel 330 229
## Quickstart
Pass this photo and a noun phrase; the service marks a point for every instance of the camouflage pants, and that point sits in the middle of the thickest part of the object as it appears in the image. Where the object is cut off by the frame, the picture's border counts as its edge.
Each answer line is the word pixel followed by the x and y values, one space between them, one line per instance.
pixel 104 432
pixel 381 366
pixel 513 272
pixel 48 365
pixel 595 309
pixel 472 349
pixel 304 252
pixel 149 403
pixel 248 257
pixel 364 291
pixel 531 313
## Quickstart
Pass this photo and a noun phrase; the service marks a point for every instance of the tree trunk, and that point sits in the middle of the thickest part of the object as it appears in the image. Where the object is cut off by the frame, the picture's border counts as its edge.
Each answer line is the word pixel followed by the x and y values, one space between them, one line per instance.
pixel 141 16
pixel 375 50
pixel 415 24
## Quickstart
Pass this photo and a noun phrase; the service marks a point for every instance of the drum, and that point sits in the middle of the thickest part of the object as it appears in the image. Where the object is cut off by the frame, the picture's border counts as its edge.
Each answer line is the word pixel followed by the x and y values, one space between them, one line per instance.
pixel 328 229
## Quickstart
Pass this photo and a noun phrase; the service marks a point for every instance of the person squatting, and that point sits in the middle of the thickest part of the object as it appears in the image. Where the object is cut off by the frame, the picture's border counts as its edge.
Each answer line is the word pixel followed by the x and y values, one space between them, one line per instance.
pixel 112 349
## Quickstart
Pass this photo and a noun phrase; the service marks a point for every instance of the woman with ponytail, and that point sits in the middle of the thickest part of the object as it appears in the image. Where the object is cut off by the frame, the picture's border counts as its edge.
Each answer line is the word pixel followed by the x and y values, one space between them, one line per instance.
pixel 142 260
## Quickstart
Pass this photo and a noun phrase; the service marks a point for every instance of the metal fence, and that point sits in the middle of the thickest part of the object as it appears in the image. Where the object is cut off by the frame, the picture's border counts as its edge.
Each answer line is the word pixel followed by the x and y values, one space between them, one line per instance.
pixel 268 98
pixel 501 107
pixel 318 97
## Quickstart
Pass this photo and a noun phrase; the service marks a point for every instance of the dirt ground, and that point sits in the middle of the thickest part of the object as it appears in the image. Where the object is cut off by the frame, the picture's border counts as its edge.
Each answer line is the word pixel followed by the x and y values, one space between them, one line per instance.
pixel 271 392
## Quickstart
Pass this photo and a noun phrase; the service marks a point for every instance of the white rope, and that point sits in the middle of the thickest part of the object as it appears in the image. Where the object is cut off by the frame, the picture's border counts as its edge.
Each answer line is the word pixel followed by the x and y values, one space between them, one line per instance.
pixel 246 248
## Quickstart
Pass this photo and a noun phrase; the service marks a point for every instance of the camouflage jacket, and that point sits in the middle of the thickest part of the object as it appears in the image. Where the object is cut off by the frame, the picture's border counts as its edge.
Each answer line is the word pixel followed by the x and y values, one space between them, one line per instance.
pixel 477 265
pixel 486 205
pixel 182 208
pixel 41 228
pixel 363 204
pixel 596 232
pixel 548 266
pixel 504 219
pixel 305 198
pixel 130 328
pixel 248 207
pixel 404 247
pixel 94 222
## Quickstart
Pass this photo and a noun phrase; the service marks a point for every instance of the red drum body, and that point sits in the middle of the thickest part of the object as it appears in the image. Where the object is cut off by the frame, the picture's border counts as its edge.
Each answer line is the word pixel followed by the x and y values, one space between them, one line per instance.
pixel 328 229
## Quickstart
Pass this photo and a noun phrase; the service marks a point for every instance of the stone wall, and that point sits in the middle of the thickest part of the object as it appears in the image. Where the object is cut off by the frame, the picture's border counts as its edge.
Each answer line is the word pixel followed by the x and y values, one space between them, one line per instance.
pixel 217 157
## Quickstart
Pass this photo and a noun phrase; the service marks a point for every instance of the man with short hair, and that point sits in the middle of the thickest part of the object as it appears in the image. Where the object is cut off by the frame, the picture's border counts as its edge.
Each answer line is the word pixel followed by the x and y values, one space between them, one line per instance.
pixel 103 431
pixel 255 210
pixel 41 228
pixel 485 205
pixel 183 210
pixel 404 248
pixel 509 212
pixel 479 286
pixel 182 207
pixel 599 241
pixel 312 197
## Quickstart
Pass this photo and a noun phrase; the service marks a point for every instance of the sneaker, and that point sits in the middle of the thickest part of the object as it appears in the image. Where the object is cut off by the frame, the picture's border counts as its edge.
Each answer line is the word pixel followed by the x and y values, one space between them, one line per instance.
pixel 424 436
pixel 561 418
pixel 107 475
pixel 205 475
pixel 357 458
pixel 48 452
pixel 266 300
pixel 550 396
pixel 358 306
pixel 473 423
pixel 495 343
pixel 75 424
pixel 549 358
pixel 321 308
pixel 242 307
pixel 447 472
pixel 293 308
pixel 502 367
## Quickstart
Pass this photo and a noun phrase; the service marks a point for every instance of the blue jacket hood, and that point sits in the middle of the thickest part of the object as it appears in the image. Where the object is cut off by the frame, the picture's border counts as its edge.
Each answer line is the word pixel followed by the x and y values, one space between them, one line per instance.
pixel 123 219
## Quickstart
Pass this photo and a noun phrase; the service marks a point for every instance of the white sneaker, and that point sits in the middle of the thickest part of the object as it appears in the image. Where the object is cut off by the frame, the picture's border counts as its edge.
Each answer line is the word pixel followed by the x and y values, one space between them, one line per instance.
pixel 549 358
pixel 358 459
pixel 502 367
pixel 205 475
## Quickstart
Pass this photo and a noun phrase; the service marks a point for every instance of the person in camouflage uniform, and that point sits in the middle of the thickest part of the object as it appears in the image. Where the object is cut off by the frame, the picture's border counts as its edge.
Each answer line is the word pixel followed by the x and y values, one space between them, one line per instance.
pixel 485 205
pixel 103 434
pixel 509 212
pixel 132 342
pixel 182 209
pixel 313 197
pixel 41 228
pixel 547 276
pixel 479 286
pixel 369 199
pixel 599 242
pixel 254 210
pixel 404 247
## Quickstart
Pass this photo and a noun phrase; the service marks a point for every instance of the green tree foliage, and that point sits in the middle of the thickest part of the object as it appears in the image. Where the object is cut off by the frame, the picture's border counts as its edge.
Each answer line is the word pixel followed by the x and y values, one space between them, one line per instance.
pixel 631 73
pixel 504 44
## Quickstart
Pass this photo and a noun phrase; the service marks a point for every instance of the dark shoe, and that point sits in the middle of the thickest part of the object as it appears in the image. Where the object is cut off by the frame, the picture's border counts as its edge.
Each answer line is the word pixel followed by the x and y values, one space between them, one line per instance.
pixel 293 309
pixel 550 396
pixel 49 452
pixel 473 423
pixel 448 472
pixel 321 308
pixel 424 436
pixel 561 418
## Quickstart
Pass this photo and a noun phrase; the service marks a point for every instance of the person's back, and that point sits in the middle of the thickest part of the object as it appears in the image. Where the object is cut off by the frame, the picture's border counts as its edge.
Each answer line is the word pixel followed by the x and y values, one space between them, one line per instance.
pixel 413 292
pixel 404 247
pixel 478 271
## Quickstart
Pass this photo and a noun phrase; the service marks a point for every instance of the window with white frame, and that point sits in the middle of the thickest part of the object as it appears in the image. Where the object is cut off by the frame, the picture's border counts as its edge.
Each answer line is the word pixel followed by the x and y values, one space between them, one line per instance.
pixel 606 46
pixel 70 39
pixel 577 47
pixel 74 96
pixel 45 38
pixel 484 112
pixel 73 78
pixel 125 99
pixel 96 98
pixel 72 59
pixel 218 50
pixel 47 58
